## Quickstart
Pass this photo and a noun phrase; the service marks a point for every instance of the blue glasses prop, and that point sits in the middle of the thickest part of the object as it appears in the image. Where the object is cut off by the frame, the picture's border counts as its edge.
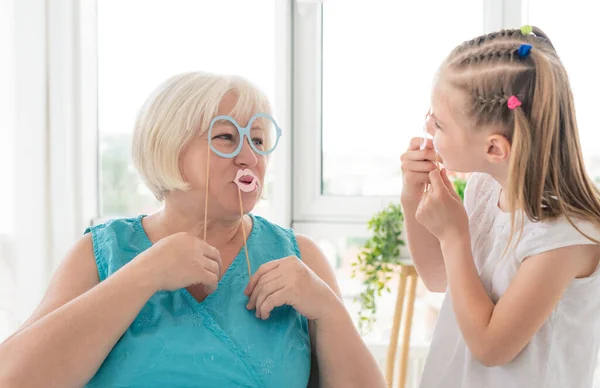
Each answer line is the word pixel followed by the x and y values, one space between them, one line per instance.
pixel 226 136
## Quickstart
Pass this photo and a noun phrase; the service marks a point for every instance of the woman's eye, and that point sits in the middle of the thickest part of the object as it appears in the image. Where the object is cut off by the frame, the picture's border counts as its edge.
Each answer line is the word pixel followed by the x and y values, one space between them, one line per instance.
pixel 224 137
pixel 258 142
pixel 436 125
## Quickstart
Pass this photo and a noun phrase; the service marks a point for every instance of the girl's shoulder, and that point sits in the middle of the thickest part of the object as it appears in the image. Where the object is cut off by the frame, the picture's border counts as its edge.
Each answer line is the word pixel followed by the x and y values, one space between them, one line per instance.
pixel 541 236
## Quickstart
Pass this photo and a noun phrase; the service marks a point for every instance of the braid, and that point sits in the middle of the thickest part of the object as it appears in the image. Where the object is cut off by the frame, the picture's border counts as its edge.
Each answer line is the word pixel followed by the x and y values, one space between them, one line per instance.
pixel 489 101
pixel 481 40
pixel 500 52
pixel 538 37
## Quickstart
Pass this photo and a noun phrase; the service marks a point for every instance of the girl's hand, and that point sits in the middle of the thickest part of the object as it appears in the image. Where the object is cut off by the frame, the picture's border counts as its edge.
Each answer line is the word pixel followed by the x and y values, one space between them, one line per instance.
pixel 416 165
pixel 441 210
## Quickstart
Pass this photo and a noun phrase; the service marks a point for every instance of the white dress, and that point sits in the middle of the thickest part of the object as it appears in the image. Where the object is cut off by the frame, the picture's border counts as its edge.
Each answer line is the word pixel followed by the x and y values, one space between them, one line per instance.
pixel 564 351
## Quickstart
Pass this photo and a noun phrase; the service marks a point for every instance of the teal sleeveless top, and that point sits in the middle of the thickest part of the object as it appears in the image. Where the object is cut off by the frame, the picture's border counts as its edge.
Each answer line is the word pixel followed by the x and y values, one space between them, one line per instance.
pixel 176 341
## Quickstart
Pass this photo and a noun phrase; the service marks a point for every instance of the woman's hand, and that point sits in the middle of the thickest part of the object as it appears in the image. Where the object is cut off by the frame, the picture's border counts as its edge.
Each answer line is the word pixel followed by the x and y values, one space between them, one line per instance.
pixel 182 260
pixel 441 210
pixel 289 281
pixel 416 166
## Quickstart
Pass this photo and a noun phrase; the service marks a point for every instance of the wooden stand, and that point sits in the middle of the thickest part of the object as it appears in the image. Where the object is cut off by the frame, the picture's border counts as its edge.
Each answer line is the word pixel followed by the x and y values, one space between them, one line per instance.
pixel 406 290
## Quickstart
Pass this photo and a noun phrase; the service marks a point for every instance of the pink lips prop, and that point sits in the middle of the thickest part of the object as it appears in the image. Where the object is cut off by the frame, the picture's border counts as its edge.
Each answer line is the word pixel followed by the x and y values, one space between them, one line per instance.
pixel 246 180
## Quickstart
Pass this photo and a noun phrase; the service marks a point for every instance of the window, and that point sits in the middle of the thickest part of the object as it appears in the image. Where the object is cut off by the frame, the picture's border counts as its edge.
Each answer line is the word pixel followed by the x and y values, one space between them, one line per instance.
pixel 569 24
pixel 375 77
pixel 142 43
pixel 376 61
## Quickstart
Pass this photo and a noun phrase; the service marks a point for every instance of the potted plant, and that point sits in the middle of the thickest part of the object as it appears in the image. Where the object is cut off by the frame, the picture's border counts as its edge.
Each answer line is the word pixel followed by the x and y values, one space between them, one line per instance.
pixel 380 256
pixel 378 260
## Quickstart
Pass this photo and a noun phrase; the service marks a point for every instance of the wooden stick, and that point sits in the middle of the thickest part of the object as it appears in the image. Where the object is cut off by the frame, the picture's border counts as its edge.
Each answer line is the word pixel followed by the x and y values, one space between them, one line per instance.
pixel 206 193
pixel 410 304
pixel 437 166
pixel 393 346
pixel 244 232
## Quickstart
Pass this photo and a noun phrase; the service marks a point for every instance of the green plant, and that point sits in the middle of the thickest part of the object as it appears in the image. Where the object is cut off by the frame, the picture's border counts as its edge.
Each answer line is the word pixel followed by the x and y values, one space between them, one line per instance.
pixel 378 260
pixel 459 185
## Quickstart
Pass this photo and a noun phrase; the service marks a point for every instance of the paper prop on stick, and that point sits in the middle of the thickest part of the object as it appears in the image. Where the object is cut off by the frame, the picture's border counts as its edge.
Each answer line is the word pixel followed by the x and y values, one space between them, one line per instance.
pixel 428 130
pixel 226 139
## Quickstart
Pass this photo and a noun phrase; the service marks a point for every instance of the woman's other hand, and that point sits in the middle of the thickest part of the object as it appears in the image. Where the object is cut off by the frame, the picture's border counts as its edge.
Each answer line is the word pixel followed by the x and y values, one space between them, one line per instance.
pixel 289 281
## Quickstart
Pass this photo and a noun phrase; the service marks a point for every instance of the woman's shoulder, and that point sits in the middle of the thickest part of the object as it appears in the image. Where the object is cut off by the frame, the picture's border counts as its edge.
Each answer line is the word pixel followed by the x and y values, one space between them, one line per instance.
pixel 117 230
pixel 266 227
pixel 116 241
pixel 116 225
pixel 272 236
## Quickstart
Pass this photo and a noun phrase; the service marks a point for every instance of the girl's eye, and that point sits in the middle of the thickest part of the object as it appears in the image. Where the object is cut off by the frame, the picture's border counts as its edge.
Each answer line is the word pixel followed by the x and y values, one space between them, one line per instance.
pixel 436 125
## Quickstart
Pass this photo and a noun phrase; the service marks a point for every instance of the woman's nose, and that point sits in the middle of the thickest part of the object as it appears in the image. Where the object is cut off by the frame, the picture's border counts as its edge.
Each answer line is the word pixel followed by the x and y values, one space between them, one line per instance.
pixel 247 156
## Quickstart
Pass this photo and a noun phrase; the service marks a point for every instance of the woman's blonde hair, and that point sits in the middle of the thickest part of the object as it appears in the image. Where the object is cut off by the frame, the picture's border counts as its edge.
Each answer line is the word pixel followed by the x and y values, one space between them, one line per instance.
pixel 546 170
pixel 179 109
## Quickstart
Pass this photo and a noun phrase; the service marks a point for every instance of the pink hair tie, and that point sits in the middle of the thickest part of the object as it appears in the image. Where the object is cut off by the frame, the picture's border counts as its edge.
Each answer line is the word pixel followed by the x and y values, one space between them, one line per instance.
pixel 513 102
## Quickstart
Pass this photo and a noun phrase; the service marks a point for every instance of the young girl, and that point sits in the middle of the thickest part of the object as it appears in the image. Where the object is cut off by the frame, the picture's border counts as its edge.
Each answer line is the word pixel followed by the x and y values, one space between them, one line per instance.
pixel 519 261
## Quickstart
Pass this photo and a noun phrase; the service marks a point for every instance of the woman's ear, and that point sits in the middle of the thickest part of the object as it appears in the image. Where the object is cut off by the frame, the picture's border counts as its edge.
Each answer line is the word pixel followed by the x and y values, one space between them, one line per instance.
pixel 497 148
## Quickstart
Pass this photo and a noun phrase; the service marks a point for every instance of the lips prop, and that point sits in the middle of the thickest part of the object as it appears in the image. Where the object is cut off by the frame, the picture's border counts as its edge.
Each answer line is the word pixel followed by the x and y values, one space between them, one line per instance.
pixel 246 181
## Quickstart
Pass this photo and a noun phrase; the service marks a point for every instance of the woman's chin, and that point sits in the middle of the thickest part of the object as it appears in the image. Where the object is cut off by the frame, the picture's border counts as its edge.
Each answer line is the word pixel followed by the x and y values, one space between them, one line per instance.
pixel 249 202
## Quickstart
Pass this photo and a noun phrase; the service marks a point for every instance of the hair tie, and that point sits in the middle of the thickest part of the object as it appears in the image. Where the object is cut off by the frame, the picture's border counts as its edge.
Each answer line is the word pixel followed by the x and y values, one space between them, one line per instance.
pixel 524 50
pixel 513 102
pixel 526 29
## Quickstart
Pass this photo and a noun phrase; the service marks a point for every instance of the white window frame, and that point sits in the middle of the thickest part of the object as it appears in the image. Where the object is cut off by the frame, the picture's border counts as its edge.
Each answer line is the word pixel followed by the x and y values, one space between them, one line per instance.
pixel 309 205
pixel 281 203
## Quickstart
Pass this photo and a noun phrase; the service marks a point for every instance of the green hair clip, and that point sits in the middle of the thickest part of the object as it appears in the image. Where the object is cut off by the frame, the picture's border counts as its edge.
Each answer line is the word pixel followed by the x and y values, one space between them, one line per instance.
pixel 526 29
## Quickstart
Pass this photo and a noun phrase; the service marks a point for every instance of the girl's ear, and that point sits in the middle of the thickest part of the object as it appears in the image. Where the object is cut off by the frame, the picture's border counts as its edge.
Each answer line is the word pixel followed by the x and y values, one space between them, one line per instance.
pixel 497 148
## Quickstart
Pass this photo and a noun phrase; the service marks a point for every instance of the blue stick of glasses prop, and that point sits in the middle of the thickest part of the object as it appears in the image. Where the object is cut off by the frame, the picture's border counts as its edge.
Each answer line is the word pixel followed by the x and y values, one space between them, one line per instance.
pixel 227 140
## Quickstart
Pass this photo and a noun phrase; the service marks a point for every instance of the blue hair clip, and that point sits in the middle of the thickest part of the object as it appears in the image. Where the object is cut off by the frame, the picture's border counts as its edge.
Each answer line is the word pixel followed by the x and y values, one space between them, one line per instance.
pixel 524 50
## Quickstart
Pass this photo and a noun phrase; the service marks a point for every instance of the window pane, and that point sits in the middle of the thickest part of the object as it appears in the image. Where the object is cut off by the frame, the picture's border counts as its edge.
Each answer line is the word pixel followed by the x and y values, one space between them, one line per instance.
pixel 569 24
pixel 379 58
pixel 141 43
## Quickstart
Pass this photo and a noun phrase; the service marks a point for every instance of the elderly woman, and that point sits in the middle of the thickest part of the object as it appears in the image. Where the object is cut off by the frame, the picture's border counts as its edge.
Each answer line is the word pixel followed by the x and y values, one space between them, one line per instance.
pixel 201 293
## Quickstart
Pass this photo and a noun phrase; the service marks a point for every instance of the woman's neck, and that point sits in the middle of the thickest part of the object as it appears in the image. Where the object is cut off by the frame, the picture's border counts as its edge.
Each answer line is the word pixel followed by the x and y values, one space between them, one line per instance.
pixel 171 220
